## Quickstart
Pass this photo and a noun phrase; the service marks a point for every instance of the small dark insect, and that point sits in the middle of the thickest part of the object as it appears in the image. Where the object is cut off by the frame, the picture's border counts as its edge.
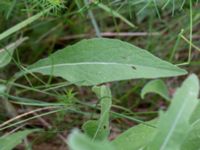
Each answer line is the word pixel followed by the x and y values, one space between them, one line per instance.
pixel 124 57
pixel 133 67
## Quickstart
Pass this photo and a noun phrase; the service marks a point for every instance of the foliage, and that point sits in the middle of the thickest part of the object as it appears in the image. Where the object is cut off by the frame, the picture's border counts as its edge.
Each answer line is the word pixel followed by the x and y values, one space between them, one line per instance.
pixel 7 52
pixel 174 125
pixel 136 137
pixel 9 142
pixel 79 141
pixel 116 60
pixel 53 51
pixel 172 130
pixel 99 129
pixel 155 86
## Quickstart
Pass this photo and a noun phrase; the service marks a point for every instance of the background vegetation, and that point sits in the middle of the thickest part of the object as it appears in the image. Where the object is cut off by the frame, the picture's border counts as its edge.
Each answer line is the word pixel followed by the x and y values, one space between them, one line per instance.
pixel 169 29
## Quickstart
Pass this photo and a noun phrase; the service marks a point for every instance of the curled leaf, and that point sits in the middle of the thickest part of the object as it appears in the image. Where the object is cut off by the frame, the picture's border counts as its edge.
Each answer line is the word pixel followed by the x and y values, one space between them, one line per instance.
pixel 156 86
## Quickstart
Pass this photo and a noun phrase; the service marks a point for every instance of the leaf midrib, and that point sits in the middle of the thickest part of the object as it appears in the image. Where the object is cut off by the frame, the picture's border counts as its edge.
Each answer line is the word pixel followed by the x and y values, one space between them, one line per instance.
pixel 89 63
pixel 82 63
pixel 172 128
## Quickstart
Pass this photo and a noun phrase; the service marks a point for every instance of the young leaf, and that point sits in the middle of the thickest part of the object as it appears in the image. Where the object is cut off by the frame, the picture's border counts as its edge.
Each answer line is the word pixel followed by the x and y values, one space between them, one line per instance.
pixel 100 60
pixel 79 141
pixel 174 125
pixel 7 52
pixel 99 129
pixel 156 86
pixel 136 137
pixel 9 142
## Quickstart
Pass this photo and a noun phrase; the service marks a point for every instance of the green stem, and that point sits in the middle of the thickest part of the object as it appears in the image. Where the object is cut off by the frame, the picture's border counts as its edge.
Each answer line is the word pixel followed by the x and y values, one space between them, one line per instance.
pixel 22 24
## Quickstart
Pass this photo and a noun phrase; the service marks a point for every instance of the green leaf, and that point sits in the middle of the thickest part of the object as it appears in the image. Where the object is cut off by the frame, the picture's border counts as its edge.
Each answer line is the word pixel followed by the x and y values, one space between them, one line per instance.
pixel 192 141
pixel 90 128
pixel 7 52
pixel 136 137
pixel 156 86
pixel 174 125
pixel 30 102
pixel 196 114
pixel 2 89
pixel 79 141
pixel 114 13
pixel 99 129
pixel 100 60
pixel 9 142
pixel 22 24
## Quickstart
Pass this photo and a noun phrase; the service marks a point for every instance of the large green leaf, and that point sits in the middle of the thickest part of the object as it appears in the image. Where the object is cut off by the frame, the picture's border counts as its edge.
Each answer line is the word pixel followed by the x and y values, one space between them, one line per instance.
pixel 99 129
pixel 100 60
pixel 7 52
pixel 174 125
pixel 9 142
pixel 79 141
pixel 136 137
